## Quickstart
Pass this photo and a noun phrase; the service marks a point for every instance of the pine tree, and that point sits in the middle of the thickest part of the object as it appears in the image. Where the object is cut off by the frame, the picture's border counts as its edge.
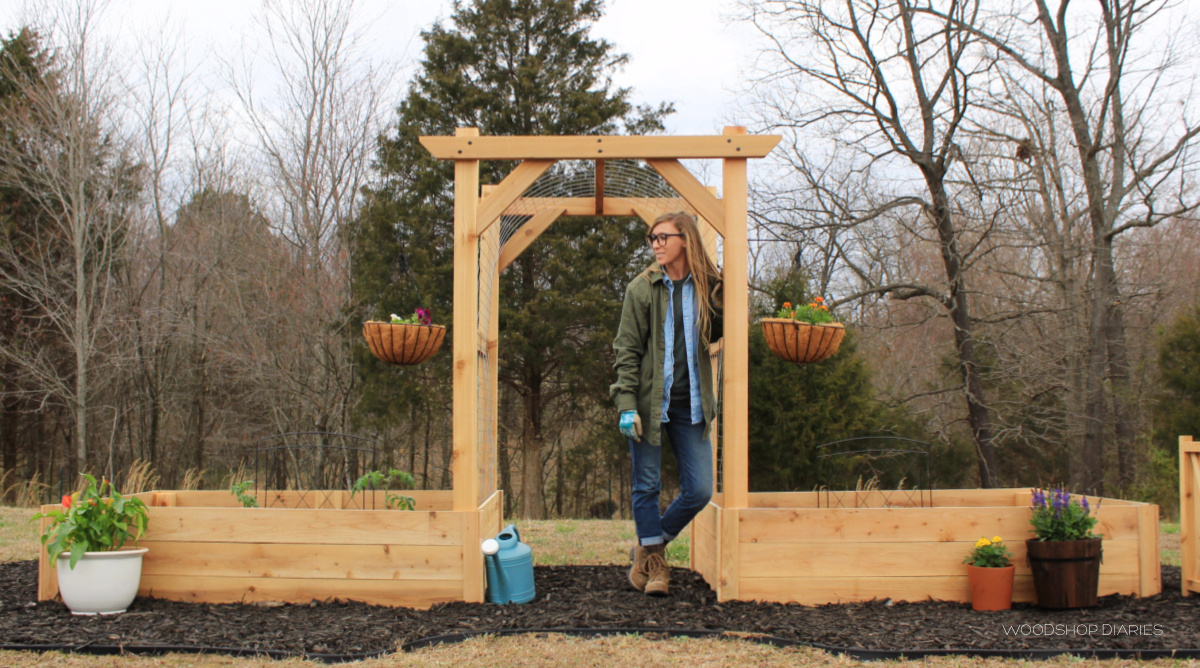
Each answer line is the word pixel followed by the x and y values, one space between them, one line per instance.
pixel 507 67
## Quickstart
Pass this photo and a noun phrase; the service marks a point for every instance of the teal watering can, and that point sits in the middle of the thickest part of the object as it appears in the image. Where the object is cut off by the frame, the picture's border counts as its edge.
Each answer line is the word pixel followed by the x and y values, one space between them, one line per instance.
pixel 509 567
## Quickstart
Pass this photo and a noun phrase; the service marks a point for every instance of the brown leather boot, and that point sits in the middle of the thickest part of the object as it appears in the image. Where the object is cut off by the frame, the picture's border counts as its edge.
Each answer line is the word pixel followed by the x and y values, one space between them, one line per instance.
pixel 638 573
pixel 659 573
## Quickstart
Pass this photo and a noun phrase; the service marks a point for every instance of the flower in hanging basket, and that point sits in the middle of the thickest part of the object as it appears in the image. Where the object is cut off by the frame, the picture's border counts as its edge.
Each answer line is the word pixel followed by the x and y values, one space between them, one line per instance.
pixel 410 340
pixel 803 334
pixel 989 554
pixel 98 519
pixel 1056 516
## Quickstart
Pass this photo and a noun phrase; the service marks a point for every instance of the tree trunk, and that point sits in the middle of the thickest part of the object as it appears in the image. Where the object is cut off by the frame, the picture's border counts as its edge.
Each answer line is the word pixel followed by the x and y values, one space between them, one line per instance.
pixel 533 506
pixel 978 414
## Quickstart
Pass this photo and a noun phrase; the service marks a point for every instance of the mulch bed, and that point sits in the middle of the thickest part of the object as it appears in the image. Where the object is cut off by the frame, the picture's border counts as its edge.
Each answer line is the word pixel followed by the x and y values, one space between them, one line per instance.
pixel 571 597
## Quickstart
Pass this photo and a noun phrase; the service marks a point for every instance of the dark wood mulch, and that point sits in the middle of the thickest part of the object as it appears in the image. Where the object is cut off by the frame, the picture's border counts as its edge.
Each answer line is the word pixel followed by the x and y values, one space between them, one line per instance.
pixel 599 596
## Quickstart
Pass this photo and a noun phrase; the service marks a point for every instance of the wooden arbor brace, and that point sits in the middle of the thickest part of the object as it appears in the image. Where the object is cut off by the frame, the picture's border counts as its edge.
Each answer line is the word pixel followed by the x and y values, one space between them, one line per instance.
pixel 473 216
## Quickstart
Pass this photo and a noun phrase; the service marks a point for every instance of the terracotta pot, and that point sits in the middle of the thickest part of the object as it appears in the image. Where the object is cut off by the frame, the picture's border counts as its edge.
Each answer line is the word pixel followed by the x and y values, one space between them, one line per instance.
pixel 991 588
pixel 403 344
pixel 1066 573
pixel 801 342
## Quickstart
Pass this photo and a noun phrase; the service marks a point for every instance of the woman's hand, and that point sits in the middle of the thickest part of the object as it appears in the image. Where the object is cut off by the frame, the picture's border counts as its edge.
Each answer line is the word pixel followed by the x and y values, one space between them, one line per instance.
pixel 631 425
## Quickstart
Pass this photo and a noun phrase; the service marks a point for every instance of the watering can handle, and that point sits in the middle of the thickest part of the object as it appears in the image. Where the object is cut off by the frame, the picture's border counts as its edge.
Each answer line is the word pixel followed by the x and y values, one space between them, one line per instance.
pixel 516 533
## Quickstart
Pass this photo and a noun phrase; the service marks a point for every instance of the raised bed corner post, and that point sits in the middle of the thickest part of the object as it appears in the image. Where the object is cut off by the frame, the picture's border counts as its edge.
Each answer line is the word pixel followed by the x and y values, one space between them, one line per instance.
pixel 465 458
pixel 1189 505
pixel 737 360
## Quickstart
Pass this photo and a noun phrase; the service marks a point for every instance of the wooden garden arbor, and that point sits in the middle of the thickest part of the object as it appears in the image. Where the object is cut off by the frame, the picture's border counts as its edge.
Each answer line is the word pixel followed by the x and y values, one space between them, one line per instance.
pixel 476 214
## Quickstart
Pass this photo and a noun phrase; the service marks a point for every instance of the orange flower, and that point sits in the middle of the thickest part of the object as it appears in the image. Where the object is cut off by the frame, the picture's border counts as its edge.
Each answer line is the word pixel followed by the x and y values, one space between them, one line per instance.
pixel 819 300
pixel 66 501
pixel 787 304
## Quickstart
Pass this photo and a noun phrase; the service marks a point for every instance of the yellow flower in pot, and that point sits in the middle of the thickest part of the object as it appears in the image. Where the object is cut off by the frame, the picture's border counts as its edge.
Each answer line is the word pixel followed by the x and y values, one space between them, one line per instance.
pixel 990 574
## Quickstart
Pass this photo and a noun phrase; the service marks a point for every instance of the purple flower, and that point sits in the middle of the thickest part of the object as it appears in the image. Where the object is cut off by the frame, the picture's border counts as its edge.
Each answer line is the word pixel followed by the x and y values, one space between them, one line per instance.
pixel 1085 505
pixel 425 316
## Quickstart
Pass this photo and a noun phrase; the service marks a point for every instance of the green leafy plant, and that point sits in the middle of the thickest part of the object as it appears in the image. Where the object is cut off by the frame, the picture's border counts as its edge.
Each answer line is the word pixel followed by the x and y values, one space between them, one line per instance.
pixel 1059 517
pixel 238 489
pixel 97 519
pixel 814 313
pixel 989 554
pixel 378 480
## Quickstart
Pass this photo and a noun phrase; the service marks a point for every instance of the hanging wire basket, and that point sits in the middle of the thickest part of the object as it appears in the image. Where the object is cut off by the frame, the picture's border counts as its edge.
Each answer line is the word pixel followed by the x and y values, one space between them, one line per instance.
pixel 403 343
pixel 800 342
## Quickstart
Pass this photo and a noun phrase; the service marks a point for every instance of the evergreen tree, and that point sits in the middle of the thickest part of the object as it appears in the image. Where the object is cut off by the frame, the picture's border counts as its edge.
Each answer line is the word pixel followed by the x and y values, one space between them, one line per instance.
pixel 507 67
pixel 1177 410
pixel 796 408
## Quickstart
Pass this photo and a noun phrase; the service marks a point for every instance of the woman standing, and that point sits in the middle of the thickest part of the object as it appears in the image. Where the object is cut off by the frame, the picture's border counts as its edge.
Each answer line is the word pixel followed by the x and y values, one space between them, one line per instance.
pixel 664 387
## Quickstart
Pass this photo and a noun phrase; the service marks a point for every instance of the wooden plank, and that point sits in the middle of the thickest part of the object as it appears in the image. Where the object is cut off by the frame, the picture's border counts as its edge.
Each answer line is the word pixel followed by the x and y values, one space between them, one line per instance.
pixel 709 233
pixel 513 186
pixel 164 499
pixel 491 519
pixel 472 557
pixel 1149 565
pixel 904 559
pixel 728 551
pixel 888 525
pixel 820 591
pixel 586 206
pixel 531 230
pixel 192 588
pixel 427 499
pixel 1188 444
pixel 694 192
pixel 464 460
pixel 325 527
pixel 1187 514
pixel 941 498
pixel 460 147
pixel 304 561
pixel 47 575
pixel 737 332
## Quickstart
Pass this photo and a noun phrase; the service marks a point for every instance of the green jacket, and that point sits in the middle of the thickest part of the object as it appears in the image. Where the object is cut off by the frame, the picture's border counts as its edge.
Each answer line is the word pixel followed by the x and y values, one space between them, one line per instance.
pixel 640 348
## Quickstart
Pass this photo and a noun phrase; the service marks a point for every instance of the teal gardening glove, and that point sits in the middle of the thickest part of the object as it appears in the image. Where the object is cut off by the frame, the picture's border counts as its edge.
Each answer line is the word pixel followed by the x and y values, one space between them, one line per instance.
pixel 631 425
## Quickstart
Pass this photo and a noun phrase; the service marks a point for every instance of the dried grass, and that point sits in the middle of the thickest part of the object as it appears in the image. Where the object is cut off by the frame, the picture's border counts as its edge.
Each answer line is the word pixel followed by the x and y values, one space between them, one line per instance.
pixel 22 493
pixel 139 477
pixel 193 479
pixel 18 535
pixel 240 474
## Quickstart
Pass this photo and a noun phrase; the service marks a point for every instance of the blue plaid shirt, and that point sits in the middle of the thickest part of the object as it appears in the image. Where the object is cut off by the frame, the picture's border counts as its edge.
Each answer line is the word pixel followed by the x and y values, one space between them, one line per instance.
pixel 690 334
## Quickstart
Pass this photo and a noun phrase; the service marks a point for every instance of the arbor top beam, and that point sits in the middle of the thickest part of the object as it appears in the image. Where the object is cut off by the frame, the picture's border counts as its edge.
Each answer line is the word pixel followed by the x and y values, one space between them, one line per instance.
pixel 598 147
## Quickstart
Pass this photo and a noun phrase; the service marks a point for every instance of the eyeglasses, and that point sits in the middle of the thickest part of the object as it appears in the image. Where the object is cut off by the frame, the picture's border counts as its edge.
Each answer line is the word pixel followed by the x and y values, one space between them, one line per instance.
pixel 660 238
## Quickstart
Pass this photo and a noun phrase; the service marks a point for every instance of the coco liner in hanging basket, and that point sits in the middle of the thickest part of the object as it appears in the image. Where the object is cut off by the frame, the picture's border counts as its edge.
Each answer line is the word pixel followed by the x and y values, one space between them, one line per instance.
pixel 403 343
pixel 801 342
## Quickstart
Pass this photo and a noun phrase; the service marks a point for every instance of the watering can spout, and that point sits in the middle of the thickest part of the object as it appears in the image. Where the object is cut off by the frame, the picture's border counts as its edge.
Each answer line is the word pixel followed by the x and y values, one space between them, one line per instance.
pixel 509 565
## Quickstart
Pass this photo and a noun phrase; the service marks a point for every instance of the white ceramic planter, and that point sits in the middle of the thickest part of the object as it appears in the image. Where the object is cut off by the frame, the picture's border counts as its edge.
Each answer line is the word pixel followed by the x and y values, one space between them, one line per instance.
pixel 102 583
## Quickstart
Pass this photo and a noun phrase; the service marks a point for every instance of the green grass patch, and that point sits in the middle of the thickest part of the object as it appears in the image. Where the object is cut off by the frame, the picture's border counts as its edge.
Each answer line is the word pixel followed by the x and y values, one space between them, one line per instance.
pixel 1170 527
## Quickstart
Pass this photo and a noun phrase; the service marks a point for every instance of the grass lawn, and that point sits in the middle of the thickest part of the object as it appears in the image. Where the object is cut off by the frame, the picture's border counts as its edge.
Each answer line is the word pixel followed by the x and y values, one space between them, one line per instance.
pixel 554 542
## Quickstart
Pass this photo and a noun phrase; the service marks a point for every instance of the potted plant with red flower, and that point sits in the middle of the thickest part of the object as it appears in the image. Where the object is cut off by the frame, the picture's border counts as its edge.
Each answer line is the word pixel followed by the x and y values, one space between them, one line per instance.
pixel 410 340
pixel 805 333
pixel 100 575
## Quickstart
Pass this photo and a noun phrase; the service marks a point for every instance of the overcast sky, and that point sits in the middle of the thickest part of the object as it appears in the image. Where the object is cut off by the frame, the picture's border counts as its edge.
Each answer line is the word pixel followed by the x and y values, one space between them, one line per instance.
pixel 681 51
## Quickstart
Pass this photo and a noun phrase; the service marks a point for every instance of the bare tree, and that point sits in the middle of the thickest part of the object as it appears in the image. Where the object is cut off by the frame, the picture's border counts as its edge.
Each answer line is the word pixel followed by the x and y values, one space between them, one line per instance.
pixel 314 144
pixel 1134 157
pixel 891 87
pixel 67 156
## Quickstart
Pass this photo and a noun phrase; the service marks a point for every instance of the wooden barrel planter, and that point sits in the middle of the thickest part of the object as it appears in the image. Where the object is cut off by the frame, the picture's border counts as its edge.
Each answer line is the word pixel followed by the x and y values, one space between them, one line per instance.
pixel 403 344
pixel 801 342
pixel 1066 573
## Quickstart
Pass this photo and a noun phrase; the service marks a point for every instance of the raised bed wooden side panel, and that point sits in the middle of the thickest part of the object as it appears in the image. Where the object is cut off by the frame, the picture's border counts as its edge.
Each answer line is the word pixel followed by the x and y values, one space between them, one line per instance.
pixel 337 499
pixel 703 544
pixel 816 556
pixel 225 555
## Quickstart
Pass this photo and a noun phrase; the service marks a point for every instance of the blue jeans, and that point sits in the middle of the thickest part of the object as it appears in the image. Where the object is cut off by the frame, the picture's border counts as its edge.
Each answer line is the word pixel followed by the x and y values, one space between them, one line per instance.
pixel 693 453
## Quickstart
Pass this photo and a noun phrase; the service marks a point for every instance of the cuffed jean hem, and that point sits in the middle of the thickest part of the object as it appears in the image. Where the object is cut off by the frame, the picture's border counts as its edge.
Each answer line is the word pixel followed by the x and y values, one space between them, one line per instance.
pixel 648 542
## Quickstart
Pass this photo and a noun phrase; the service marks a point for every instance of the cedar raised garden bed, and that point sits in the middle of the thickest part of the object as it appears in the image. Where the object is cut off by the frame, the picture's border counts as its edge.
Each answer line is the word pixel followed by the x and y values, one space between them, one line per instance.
pixel 316 545
pixel 785 548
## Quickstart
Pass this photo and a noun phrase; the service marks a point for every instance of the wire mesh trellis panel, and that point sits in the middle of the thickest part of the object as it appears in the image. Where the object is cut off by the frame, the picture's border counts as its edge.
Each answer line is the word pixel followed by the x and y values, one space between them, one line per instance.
pixel 883 477
pixel 313 469
pixel 631 182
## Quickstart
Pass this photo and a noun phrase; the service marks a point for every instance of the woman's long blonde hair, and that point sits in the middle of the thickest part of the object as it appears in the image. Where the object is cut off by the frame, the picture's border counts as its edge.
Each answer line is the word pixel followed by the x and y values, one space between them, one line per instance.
pixel 705 275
